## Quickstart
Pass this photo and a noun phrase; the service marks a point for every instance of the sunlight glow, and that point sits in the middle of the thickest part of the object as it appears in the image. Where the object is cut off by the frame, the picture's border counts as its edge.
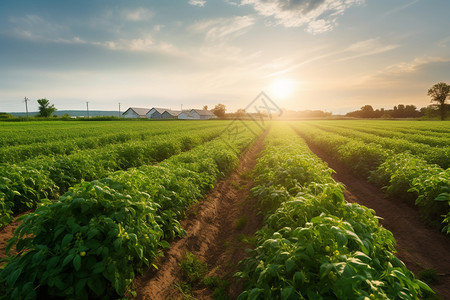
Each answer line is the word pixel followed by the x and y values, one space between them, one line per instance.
pixel 282 88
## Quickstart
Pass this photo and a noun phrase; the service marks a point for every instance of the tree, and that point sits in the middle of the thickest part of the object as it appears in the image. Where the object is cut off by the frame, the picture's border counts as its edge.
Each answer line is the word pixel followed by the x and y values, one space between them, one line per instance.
pixel 367 111
pixel 219 110
pixel 439 93
pixel 205 107
pixel 45 109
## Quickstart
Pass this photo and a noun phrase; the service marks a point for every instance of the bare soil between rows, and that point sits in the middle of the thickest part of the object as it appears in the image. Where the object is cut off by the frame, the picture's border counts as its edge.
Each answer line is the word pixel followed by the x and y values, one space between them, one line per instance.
pixel 216 234
pixel 419 246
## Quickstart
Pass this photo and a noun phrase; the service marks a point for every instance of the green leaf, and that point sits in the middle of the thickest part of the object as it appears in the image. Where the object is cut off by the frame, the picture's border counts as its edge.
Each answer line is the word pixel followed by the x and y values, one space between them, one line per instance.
pixel 68 259
pixel 164 244
pixel 67 238
pixel 288 293
pixel 77 262
pixel 290 265
pixel 12 278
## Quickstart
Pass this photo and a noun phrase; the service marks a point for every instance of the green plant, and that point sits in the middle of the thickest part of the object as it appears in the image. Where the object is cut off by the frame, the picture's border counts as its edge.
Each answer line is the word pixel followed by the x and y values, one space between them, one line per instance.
pixel 192 268
pixel 429 276
pixel 240 223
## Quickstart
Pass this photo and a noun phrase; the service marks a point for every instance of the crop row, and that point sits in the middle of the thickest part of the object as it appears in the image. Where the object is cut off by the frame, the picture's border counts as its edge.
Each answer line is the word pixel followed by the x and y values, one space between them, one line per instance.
pixel 315 245
pixel 69 145
pixel 93 240
pixel 23 133
pixel 438 140
pixel 402 175
pixel 24 185
pixel 434 155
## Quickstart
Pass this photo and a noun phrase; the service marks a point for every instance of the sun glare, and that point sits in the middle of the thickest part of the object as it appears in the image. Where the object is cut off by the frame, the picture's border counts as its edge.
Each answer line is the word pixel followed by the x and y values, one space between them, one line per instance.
pixel 282 88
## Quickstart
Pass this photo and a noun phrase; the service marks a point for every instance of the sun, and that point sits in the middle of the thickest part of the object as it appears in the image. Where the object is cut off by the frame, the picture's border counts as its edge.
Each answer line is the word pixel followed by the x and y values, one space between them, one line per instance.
pixel 282 88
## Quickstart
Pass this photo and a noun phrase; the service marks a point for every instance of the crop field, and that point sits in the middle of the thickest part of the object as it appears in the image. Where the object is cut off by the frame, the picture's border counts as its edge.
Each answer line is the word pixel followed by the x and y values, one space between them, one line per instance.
pixel 102 204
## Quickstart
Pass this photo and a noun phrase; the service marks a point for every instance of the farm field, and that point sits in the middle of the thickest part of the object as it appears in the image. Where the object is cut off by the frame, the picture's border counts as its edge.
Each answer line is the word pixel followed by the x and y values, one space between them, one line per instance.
pixel 123 207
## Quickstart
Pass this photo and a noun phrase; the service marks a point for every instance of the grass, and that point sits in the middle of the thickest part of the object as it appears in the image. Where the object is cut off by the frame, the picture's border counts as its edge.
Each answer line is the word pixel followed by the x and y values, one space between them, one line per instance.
pixel 192 268
pixel 240 223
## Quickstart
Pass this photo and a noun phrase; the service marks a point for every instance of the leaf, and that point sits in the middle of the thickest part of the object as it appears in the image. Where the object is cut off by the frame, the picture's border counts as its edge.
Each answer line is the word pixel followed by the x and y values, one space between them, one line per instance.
pixel 288 293
pixel 67 238
pixel 164 244
pixel 77 262
pixel 290 265
pixel 68 259
pixel 12 278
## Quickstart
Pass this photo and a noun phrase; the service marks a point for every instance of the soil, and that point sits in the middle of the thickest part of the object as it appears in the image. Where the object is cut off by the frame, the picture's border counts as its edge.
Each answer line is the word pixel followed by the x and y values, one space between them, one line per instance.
pixel 218 231
pixel 6 233
pixel 419 246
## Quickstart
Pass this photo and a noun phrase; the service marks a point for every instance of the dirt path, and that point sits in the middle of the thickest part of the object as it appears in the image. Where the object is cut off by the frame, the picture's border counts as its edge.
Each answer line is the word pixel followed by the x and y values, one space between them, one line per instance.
pixel 419 245
pixel 217 233
pixel 6 233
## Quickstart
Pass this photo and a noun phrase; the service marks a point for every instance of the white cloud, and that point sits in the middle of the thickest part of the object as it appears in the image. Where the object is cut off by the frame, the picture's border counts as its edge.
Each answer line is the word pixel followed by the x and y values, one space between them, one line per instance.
pixel 415 65
pixel 221 28
pixel 318 15
pixel 200 3
pixel 365 48
pixel 140 14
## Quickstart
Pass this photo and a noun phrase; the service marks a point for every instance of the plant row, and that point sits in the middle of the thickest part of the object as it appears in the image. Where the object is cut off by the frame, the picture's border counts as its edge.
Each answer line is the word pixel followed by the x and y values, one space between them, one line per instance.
pixel 12 134
pixel 408 177
pixel 434 155
pixel 93 240
pixel 314 244
pixel 69 145
pixel 402 175
pixel 24 185
pixel 438 140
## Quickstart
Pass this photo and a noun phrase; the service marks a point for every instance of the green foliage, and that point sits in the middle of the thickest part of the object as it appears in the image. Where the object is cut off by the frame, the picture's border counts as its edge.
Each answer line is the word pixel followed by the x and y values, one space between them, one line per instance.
pixel 45 109
pixel 409 177
pixel 429 276
pixel 315 245
pixel 192 268
pixel 409 165
pixel 93 240
pixel 45 177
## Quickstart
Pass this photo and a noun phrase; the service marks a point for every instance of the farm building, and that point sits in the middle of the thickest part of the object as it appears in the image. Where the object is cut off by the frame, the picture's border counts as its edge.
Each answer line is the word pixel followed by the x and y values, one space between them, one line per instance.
pixel 155 113
pixel 196 114
pixel 135 113
pixel 170 114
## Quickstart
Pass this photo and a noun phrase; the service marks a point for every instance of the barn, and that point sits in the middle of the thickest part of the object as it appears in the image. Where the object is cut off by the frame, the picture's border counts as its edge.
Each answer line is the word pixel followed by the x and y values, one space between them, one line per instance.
pixel 135 113
pixel 196 114
pixel 170 114
pixel 155 112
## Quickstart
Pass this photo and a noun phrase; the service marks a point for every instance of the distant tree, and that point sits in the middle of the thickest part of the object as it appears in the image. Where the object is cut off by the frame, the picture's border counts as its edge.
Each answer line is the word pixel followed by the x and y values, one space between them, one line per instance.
pixel 219 110
pixel 439 93
pixel 240 112
pixel 205 107
pixel 4 115
pixel 45 109
pixel 367 111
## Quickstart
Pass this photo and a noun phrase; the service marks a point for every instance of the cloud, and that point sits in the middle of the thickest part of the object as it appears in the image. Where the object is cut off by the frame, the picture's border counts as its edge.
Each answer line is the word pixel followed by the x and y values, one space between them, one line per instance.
pixel 400 8
pixel 200 3
pixel 365 48
pixel 221 28
pixel 415 65
pixel 317 15
pixel 136 15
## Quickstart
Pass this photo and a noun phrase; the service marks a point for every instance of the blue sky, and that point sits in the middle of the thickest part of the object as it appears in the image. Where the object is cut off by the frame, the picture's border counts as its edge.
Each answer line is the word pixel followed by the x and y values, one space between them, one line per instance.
pixel 333 55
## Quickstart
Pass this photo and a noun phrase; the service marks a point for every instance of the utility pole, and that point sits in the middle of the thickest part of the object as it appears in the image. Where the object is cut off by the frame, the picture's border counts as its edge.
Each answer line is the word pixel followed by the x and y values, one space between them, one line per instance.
pixel 119 109
pixel 26 106
pixel 87 106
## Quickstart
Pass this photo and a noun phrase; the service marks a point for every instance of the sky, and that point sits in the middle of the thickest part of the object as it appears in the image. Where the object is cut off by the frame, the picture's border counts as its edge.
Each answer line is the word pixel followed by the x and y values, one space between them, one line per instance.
pixel 330 55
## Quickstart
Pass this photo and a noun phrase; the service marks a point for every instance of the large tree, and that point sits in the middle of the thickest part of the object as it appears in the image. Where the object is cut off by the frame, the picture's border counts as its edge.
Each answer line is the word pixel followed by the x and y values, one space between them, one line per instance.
pixel 219 110
pixel 45 109
pixel 439 93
